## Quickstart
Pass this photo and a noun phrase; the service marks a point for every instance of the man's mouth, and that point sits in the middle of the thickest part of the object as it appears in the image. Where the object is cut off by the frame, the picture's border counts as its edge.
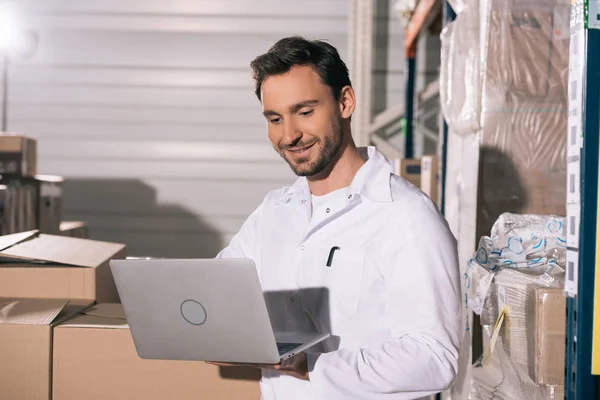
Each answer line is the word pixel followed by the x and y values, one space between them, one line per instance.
pixel 300 151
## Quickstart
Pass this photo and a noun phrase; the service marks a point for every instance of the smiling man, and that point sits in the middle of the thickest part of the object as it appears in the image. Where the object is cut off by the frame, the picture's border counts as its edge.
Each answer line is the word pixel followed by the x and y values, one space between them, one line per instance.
pixel 356 250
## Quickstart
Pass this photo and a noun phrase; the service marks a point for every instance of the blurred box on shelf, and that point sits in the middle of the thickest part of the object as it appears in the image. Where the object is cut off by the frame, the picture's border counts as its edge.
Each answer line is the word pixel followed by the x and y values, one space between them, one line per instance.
pixel 31 203
pixel 49 214
pixel 76 229
pixel 95 359
pixel 409 169
pixel 430 179
pixel 18 155
pixel 18 205
pixel 556 392
pixel 26 327
pixel 46 266
pixel 549 339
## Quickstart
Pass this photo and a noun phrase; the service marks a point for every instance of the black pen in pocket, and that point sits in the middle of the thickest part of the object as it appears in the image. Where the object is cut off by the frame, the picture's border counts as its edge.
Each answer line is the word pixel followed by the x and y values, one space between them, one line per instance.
pixel 331 253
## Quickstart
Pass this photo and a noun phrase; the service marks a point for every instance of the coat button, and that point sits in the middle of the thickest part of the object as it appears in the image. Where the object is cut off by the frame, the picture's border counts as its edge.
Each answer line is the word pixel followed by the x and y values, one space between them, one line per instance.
pixel 328 210
pixel 302 247
pixel 292 299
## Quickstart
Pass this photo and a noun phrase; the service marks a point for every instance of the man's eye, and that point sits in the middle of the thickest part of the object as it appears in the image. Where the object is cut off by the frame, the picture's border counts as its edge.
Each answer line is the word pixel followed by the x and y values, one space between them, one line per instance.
pixel 306 113
pixel 275 121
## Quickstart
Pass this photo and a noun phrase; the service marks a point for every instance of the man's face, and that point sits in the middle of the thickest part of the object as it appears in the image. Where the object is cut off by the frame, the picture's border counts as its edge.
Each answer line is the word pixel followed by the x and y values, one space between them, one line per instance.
pixel 303 119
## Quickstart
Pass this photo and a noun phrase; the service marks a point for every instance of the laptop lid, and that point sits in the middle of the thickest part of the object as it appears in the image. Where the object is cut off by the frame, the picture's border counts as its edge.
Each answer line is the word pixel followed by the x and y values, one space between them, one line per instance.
pixel 196 309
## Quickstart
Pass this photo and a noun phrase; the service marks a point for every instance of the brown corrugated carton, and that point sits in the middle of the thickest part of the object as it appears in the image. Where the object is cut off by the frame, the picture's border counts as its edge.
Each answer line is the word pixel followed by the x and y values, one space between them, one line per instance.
pixel 26 344
pixel 409 169
pixel 95 359
pixel 550 327
pixel 430 180
pixel 49 210
pixel 18 155
pixel 77 229
pixel 46 266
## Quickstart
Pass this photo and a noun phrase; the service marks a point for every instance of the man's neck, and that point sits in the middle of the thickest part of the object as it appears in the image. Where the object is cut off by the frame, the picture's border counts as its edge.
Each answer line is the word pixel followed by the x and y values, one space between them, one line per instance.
pixel 340 174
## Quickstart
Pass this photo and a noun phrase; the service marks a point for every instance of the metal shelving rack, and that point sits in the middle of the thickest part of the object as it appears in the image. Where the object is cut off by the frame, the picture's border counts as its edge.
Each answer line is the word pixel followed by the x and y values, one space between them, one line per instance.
pixel 584 107
pixel 449 16
pixel 360 48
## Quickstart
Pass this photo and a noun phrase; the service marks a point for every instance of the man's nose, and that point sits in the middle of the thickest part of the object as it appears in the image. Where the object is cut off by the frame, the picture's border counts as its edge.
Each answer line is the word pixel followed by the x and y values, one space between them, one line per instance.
pixel 291 133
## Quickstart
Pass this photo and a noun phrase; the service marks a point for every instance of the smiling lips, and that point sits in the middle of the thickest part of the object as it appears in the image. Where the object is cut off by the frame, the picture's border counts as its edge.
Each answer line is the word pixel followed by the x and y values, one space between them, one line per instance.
pixel 300 152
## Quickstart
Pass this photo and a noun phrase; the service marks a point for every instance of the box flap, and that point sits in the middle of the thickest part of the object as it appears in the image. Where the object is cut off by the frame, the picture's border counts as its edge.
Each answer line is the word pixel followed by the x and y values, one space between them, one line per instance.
pixel 69 225
pixel 7 241
pixel 30 311
pixel 104 316
pixel 63 250
pixel 72 309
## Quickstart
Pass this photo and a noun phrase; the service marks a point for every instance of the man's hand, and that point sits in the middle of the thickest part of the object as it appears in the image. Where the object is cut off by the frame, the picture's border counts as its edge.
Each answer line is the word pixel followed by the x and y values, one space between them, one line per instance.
pixel 296 366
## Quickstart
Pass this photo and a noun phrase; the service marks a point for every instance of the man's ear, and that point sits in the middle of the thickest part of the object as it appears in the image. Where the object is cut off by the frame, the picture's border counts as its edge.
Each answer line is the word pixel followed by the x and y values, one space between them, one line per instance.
pixel 347 102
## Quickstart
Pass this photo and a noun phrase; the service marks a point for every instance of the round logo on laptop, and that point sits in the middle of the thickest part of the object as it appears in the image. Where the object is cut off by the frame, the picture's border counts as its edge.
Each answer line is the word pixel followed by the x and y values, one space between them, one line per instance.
pixel 193 312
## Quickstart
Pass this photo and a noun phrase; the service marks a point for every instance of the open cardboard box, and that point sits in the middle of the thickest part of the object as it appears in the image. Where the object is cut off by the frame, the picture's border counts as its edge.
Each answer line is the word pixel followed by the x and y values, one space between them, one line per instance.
pixel 34 265
pixel 26 344
pixel 95 359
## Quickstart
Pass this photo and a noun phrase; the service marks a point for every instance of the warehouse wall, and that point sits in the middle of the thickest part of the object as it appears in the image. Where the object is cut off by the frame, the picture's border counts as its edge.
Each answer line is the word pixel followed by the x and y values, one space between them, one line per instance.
pixel 147 107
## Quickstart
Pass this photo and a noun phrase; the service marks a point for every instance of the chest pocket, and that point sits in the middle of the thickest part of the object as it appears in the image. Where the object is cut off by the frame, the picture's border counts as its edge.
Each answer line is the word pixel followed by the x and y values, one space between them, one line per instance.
pixel 343 277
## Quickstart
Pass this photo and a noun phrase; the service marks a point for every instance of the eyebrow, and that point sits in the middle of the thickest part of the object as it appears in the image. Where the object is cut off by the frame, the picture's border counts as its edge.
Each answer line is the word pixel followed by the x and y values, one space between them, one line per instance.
pixel 293 108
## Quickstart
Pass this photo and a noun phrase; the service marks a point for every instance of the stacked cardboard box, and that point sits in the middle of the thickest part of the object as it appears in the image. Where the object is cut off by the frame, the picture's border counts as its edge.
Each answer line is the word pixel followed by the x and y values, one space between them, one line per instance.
pixel 95 358
pixel 44 280
pixel 26 328
pixel 50 274
pixel 47 266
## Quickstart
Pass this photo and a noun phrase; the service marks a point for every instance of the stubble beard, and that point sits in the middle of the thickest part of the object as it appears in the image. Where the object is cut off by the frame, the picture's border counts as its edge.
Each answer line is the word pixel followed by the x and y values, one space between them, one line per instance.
pixel 329 146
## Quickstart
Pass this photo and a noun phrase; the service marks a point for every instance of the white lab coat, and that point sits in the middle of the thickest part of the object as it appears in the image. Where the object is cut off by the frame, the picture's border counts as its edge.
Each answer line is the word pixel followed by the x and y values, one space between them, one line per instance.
pixel 391 297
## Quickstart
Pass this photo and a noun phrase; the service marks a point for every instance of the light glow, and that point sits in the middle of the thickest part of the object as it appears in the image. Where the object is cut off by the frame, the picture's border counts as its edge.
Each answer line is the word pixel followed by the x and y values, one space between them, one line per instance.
pixel 12 37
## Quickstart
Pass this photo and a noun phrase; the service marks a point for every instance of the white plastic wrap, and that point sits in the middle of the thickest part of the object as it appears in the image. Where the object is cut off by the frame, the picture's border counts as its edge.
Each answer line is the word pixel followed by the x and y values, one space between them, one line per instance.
pixel 504 70
pixel 458 5
pixel 522 249
pixel 460 72
pixel 502 379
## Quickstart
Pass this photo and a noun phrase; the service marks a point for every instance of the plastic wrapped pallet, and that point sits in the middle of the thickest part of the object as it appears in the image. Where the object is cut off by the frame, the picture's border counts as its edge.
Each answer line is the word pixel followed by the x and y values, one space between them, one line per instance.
pixel 524 109
pixel 520 266
pixel 504 78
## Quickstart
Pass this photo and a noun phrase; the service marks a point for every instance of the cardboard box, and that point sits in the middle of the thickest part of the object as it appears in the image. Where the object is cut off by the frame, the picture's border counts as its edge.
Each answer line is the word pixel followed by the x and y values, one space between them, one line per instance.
pixel 95 359
pixel 550 321
pixel 26 345
pixel 49 207
pixel 409 169
pixel 18 155
pixel 430 177
pixel 76 229
pixel 555 392
pixel 46 266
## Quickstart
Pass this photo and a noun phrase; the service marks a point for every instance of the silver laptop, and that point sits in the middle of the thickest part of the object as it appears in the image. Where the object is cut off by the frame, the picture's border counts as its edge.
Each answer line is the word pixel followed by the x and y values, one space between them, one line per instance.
pixel 204 310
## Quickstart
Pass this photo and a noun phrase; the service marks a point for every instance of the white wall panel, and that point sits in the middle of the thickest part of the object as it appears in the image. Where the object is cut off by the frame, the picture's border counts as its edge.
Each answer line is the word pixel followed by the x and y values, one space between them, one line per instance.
pixel 147 108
